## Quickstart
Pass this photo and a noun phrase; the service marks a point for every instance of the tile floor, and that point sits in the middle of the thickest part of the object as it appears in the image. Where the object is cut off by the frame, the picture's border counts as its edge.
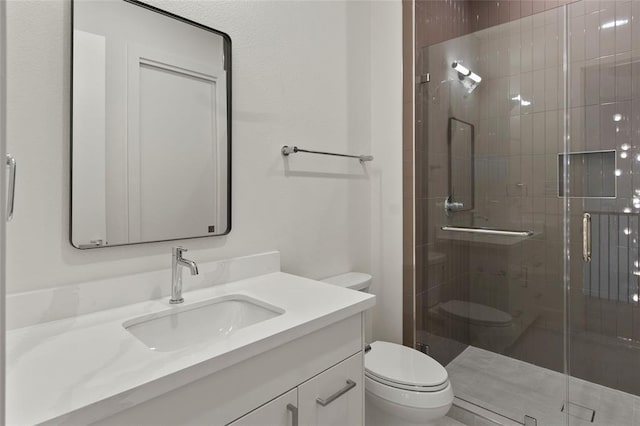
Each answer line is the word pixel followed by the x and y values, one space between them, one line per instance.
pixel 448 421
pixel 514 388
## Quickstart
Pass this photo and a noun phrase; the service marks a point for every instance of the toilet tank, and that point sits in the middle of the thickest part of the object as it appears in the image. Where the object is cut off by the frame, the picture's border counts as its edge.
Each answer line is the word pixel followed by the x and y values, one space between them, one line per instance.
pixel 353 280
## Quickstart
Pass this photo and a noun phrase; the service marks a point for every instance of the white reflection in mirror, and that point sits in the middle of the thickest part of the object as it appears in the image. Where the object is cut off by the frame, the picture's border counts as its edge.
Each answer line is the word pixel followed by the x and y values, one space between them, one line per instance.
pixel 150 139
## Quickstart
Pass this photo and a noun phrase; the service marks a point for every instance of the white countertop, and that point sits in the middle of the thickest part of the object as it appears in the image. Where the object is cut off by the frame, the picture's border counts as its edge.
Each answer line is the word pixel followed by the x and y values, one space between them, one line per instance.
pixel 91 365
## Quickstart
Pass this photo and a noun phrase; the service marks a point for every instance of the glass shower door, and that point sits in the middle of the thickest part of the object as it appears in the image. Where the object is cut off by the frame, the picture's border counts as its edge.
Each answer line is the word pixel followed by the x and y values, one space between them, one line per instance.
pixel 528 214
pixel 490 269
pixel 603 183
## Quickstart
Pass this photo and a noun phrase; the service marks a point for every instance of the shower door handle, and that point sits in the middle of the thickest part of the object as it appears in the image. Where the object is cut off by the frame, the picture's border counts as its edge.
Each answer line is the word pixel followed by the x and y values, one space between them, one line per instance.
pixel 586 237
pixel 11 163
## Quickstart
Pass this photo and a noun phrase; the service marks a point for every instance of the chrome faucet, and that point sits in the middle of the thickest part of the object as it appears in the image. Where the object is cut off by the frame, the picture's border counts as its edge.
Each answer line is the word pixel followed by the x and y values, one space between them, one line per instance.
pixel 176 281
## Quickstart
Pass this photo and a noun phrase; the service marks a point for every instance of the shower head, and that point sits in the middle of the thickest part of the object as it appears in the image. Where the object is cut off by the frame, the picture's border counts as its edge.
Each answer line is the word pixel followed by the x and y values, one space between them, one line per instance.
pixel 469 79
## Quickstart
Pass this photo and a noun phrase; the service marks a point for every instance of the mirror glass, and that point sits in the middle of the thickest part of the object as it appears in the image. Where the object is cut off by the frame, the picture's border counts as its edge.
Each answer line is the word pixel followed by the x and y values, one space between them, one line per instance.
pixel 461 164
pixel 151 139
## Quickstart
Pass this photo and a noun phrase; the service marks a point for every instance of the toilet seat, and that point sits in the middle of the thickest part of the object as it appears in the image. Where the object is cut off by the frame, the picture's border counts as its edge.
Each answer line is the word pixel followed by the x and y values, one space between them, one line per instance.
pixel 402 386
pixel 404 368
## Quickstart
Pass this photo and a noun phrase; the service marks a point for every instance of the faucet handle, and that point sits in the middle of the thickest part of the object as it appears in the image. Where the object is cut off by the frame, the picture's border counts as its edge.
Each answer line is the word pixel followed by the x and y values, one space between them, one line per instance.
pixel 177 251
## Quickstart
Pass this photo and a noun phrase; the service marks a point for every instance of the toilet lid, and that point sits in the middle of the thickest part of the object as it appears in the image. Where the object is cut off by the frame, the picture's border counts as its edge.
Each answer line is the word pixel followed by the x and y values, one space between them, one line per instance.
pixel 476 313
pixel 397 364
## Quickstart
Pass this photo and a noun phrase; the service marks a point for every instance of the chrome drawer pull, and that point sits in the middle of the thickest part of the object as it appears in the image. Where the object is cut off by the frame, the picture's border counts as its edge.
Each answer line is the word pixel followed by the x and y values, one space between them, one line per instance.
pixel 294 414
pixel 324 402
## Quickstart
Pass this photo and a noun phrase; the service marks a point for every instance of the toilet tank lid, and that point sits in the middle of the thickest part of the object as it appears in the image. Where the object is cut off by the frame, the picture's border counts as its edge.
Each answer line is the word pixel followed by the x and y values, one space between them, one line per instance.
pixel 352 280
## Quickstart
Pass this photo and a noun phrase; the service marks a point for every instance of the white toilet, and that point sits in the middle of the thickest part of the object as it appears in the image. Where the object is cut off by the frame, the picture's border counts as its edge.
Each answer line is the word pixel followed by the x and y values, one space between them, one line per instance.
pixel 403 386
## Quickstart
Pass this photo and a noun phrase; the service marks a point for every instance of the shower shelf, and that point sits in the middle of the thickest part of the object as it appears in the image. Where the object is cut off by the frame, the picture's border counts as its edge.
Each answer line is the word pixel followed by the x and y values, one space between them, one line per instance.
pixel 488 231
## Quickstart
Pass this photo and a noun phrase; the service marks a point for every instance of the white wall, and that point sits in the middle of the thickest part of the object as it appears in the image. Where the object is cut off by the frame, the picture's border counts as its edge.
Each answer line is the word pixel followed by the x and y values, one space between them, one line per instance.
pixel 323 75
pixel 386 186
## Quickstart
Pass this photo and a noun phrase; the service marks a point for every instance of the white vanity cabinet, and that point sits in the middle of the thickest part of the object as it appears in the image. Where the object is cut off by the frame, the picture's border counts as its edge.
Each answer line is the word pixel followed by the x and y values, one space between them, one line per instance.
pixel 311 351
pixel 325 366
pixel 333 397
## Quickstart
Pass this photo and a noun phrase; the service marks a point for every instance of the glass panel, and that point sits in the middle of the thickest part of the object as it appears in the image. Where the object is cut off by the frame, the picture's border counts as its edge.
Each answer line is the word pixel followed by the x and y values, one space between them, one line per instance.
pixel 604 114
pixel 490 307
pixel 555 102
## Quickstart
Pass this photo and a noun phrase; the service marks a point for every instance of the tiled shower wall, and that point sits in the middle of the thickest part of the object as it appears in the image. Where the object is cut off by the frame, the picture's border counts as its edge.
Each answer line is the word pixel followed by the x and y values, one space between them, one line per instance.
pixel 435 21
pixel 518 112
pixel 441 20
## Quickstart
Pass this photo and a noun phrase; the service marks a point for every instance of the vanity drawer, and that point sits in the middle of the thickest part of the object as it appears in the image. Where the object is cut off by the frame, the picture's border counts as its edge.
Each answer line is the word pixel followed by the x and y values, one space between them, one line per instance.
pixel 335 396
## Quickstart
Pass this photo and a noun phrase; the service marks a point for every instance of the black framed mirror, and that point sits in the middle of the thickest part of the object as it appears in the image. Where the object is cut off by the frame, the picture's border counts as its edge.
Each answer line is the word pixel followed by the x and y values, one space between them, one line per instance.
pixel 151 126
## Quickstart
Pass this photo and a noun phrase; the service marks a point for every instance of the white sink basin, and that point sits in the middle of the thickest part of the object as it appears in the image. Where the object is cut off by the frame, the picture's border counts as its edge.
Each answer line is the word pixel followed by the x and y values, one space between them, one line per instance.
pixel 205 321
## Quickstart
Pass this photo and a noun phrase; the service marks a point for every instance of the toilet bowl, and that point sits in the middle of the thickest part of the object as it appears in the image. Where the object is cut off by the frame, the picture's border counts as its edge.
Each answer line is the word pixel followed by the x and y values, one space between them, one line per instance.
pixel 403 387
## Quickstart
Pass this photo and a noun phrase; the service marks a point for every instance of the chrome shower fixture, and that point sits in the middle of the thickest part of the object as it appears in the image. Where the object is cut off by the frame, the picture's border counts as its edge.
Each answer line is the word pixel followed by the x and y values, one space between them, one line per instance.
pixel 465 72
pixel 469 79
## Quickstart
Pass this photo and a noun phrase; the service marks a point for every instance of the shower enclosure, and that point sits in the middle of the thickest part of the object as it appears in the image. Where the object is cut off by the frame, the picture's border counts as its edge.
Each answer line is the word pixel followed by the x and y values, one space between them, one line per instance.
pixel 527 198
